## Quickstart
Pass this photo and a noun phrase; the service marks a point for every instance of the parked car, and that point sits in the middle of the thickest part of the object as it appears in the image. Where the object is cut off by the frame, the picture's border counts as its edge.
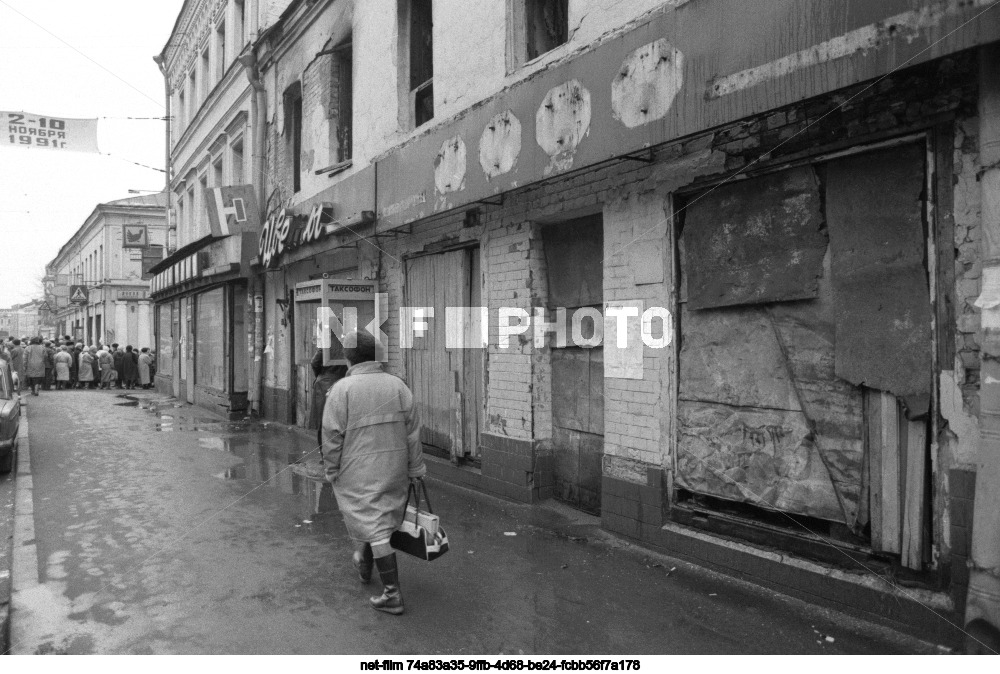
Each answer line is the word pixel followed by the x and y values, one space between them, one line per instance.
pixel 10 418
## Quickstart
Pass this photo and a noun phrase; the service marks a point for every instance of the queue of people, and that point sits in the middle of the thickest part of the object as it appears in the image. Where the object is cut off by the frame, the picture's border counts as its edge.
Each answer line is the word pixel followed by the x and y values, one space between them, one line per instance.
pixel 64 364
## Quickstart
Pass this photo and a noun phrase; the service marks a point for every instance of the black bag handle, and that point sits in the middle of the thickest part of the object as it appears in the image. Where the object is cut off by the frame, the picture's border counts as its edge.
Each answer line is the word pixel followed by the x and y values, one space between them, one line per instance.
pixel 415 493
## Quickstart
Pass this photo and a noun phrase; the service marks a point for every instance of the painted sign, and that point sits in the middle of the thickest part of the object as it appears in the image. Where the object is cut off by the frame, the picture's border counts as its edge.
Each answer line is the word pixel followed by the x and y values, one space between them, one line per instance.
pixel 135 236
pixel 285 231
pixel 78 294
pixel 30 131
pixel 232 209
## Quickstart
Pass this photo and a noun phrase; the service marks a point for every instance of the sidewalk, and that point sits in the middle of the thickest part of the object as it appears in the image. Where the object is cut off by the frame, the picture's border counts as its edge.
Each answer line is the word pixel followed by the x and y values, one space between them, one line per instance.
pixel 191 534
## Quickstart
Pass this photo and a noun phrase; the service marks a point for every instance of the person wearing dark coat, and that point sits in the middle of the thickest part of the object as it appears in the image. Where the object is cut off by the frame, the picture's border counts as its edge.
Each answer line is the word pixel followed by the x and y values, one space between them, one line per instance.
pixel 130 368
pixel 74 368
pixel 50 365
pixel 95 367
pixel 118 355
pixel 326 377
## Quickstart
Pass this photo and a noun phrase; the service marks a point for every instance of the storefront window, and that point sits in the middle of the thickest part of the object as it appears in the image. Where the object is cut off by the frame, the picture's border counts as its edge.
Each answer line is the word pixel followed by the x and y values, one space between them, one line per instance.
pixel 164 339
pixel 210 340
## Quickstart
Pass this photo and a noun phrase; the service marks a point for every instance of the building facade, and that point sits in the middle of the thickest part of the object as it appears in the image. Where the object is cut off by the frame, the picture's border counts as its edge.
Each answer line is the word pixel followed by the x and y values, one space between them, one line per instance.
pixel 720 280
pixel 97 287
pixel 202 290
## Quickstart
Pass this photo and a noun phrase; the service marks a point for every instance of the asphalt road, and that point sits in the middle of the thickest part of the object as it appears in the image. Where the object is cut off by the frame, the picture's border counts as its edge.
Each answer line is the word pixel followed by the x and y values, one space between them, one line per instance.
pixel 158 528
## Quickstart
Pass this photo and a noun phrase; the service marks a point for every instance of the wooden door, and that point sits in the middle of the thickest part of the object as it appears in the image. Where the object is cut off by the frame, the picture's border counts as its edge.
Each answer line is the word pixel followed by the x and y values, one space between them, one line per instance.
pixel 446 383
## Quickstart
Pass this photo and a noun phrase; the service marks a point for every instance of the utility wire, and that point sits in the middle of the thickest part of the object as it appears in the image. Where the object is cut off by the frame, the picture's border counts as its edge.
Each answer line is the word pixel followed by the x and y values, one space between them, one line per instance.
pixel 99 65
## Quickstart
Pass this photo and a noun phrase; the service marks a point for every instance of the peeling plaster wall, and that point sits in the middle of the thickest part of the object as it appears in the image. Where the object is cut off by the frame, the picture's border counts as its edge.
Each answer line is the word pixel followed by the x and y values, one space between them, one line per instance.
pixel 301 64
pixel 469 58
pixel 469 52
pixel 376 105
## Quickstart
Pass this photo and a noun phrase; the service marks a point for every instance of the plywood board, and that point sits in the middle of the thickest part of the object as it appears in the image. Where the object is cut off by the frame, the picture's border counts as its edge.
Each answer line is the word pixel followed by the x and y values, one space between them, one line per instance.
pixel 759 240
pixel 874 205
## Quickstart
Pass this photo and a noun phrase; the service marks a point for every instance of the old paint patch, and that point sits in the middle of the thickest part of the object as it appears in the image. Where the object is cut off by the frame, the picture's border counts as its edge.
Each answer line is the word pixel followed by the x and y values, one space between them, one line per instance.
pixel 562 121
pixel 500 144
pixel 647 84
pixel 449 166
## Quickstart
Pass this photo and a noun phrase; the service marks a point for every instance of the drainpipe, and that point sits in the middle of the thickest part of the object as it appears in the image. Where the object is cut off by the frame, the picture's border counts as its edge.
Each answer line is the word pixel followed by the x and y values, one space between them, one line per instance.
pixel 982 613
pixel 161 63
pixel 255 300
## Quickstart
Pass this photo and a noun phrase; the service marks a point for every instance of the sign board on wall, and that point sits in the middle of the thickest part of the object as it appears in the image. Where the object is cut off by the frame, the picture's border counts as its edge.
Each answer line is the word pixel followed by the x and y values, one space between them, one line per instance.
pixel 37 132
pixel 285 231
pixel 135 236
pixel 232 209
pixel 78 294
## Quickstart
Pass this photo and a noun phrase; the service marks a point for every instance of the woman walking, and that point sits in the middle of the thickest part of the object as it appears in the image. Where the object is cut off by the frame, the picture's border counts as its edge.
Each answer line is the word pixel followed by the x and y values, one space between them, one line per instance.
pixel 62 361
pixel 371 452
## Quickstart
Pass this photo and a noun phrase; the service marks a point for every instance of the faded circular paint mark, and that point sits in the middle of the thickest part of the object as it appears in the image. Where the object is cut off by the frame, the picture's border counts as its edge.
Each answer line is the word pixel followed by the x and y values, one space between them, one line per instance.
pixel 562 122
pixel 647 84
pixel 449 166
pixel 500 144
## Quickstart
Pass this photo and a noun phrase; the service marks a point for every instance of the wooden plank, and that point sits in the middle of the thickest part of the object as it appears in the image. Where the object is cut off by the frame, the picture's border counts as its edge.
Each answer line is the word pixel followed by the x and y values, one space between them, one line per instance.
pixel 889 490
pixel 913 513
pixel 874 426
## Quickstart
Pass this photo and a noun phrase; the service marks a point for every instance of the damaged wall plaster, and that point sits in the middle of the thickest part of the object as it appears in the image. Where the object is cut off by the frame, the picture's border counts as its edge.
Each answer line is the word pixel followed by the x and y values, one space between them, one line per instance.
pixel 500 144
pixel 561 123
pixel 645 87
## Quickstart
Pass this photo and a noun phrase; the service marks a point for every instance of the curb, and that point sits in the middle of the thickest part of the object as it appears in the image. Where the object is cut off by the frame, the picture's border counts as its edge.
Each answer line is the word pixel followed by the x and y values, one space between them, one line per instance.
pixel 7 572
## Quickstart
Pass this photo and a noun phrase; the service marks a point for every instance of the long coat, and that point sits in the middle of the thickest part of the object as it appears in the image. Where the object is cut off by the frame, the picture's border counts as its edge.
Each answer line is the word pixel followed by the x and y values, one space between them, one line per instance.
pixel 144 362
pixel 62 361
pixel 86 366
pixel 130 366
pixel 371 434
pixel 34 361
pixel 74 366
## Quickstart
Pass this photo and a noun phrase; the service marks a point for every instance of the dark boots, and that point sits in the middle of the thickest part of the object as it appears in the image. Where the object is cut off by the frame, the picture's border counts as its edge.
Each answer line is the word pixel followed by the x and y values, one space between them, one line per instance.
pixel 363 561
pixel 391 600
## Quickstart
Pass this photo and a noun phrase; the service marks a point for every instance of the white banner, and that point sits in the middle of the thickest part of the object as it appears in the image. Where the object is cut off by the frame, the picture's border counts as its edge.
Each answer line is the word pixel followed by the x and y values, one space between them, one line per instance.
pixel 35 132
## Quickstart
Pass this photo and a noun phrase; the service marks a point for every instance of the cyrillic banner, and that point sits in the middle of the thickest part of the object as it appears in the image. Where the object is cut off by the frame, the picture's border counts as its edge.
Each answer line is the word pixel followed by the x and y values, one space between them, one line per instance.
pixel 31 131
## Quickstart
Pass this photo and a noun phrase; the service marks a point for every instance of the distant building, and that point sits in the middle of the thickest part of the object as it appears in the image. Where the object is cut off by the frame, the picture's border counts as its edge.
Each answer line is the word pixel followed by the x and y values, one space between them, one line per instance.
pixel 97 287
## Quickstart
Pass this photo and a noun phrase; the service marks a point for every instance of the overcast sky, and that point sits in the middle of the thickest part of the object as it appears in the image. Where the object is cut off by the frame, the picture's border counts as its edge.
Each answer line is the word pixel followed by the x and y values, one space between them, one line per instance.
pixel 45 196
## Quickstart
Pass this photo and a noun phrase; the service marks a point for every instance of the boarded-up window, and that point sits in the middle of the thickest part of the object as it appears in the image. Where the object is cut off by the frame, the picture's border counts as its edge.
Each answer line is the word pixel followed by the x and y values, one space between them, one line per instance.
pixel 770 407
pixel 760 240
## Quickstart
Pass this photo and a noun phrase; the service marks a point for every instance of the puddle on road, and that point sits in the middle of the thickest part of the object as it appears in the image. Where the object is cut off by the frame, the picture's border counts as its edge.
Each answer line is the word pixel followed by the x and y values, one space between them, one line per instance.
pixel 266 452
pixel 130 403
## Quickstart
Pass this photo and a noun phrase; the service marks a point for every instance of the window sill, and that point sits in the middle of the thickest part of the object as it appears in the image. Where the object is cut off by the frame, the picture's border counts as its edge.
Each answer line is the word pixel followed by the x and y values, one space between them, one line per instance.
pixel 335 168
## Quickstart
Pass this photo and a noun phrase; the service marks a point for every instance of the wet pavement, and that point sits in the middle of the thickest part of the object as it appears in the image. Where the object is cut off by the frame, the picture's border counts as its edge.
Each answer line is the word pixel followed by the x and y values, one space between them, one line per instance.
pixel 160 528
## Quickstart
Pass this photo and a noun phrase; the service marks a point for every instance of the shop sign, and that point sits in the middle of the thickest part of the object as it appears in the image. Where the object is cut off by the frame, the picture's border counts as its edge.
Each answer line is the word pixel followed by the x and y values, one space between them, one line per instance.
pixel 286 231
pixel 131 294
pixel 135 236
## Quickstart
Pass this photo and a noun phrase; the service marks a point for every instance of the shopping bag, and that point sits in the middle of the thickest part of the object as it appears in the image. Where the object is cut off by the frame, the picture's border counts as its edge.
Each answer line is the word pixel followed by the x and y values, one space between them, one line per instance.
pixel 420 534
